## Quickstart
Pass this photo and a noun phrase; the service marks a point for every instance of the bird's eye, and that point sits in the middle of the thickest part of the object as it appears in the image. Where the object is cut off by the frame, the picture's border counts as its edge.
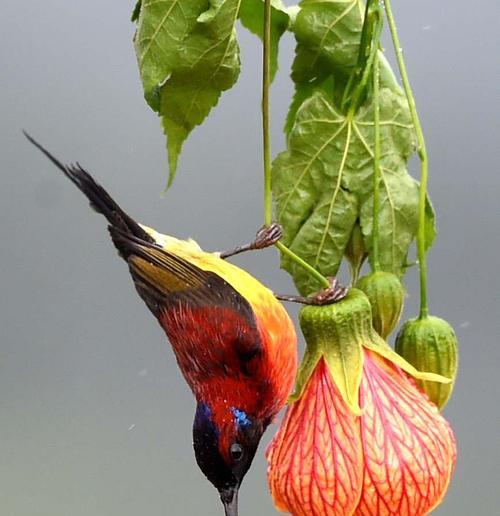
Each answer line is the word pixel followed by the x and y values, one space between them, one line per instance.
pixel 236 451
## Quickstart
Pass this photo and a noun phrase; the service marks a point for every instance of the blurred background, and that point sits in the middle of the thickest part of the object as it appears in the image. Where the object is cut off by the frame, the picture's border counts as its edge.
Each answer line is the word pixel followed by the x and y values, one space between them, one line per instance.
pixel 95 418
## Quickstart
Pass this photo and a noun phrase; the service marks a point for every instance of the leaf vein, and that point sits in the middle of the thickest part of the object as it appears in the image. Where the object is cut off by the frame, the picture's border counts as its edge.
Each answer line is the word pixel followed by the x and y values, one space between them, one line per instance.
pixel 330 27
pixel 157 30
pixel 308 166
pixel 335 193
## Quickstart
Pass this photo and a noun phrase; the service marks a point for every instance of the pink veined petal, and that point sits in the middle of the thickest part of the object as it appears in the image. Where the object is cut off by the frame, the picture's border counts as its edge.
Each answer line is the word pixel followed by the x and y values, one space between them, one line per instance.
pixel 315 459
pixel 409 448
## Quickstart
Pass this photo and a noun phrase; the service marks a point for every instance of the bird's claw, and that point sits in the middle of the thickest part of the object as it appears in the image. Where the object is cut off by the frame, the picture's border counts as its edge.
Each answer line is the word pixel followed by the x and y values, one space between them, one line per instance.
pixel 335 292
pixel 267 236
pixel 332 294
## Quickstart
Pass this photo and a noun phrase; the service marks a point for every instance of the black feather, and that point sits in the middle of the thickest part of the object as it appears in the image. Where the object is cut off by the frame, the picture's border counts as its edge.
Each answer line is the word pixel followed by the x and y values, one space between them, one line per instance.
pixel 99 199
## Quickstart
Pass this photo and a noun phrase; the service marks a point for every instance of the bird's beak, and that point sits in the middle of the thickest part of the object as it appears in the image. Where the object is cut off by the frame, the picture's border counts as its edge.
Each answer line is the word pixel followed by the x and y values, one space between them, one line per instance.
pixel 229 498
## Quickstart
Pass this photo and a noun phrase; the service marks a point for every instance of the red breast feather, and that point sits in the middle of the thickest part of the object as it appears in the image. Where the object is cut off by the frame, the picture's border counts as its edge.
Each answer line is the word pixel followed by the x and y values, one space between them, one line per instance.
pixel 229 362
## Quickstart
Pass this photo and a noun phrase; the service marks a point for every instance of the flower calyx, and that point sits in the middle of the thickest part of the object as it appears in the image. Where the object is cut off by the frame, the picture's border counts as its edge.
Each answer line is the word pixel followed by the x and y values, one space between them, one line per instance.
pixel 338 333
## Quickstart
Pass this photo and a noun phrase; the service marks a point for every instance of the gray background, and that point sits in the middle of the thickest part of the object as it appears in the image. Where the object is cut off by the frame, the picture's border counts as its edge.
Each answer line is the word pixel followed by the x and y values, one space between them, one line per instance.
pixel 95 418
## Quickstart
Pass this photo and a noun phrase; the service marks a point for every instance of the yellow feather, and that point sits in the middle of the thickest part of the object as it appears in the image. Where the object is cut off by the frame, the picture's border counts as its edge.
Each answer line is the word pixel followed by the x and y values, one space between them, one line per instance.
pixel 250 288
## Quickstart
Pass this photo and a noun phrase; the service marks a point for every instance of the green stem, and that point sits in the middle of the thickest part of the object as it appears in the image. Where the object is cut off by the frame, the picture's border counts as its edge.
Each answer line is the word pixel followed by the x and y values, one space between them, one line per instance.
pixel 376 162
pixel 422 153
pixel 299 261
pixel 266 144
pixel 266 73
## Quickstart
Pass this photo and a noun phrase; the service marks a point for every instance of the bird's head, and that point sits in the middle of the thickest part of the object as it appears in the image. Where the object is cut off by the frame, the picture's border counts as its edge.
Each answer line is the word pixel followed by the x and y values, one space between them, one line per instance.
pixel 225 442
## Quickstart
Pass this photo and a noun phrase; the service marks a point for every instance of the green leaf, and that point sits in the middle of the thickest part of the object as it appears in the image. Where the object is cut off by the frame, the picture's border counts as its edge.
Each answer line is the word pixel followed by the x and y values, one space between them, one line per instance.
pixel 162 27
pixel 323 184
pixel 188 55
pixel 398 220
pixel 398 214
pixel 252 18
pixel 303 91
pixel 315 209
pixel 328 34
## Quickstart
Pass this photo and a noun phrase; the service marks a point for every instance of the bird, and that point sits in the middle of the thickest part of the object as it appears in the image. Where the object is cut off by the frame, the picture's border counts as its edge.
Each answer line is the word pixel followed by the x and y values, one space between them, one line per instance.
pixel 234 342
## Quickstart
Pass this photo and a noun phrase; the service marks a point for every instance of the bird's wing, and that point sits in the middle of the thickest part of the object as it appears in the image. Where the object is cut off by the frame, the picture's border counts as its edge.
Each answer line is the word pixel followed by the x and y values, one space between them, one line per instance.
pixel 189 301
pixel 165 278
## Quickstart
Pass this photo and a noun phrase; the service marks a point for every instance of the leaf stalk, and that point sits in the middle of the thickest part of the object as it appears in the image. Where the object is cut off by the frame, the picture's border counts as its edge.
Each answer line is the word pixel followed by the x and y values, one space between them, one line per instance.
pixel 422 154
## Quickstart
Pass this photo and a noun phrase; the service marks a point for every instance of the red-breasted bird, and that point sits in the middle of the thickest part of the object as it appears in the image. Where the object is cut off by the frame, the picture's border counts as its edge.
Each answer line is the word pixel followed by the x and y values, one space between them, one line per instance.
pixel 234 342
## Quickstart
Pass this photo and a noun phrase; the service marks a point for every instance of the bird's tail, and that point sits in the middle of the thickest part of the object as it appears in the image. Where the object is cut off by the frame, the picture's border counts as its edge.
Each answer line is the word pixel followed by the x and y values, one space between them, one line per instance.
pixel 120 224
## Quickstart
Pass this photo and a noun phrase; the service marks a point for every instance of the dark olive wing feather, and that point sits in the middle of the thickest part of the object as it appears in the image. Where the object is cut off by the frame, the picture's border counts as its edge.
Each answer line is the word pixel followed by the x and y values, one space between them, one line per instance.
pixel 164 279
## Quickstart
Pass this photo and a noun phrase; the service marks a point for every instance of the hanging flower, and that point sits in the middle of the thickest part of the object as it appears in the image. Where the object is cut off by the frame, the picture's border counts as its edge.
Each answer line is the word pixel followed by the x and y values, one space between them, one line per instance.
pixel 316 459
pixel 360 438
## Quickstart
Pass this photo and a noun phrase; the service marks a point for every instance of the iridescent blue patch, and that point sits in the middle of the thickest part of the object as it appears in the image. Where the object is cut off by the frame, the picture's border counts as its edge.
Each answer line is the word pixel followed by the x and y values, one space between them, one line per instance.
pixel 240 417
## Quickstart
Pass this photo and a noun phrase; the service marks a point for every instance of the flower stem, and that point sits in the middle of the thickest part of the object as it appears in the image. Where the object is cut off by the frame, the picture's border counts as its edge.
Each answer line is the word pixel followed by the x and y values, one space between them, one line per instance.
pixel 376 162
pixel 422 154
pixel 266 140
pixel 299 261
pixel 266 145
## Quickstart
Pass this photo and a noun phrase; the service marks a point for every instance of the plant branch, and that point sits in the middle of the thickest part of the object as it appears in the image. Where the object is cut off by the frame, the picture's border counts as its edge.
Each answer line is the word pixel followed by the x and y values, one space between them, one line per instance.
pixel 422 153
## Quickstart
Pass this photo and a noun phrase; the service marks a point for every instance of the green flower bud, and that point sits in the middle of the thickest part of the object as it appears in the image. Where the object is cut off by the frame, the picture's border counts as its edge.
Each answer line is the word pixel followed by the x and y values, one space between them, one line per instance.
pixel 355 252
pixel 386 295
pixel 430 344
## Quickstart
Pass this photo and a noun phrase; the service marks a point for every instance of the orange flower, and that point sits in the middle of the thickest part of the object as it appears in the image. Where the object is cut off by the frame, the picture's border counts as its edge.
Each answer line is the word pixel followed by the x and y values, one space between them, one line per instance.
pixel 316 458
pixel 396 458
